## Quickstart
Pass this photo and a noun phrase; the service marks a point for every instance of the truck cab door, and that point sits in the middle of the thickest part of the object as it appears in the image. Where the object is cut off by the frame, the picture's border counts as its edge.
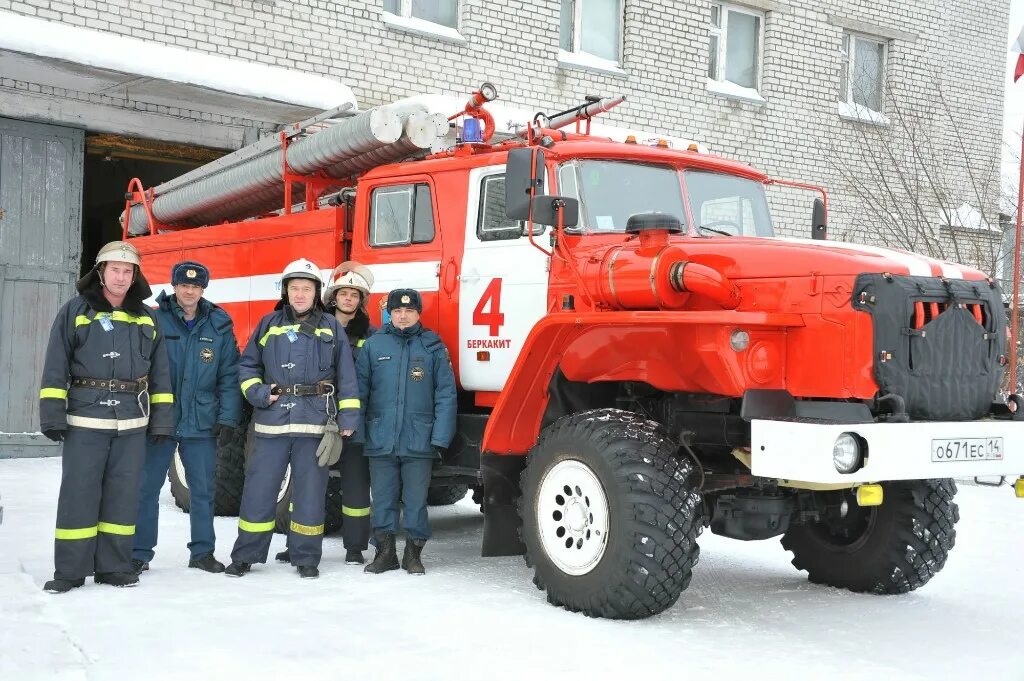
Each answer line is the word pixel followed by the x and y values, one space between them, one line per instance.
pixel 503 285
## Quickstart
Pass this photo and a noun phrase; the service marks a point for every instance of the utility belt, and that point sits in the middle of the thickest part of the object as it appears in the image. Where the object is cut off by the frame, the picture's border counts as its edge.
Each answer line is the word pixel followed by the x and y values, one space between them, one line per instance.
pixel 114 385
pixel 305 389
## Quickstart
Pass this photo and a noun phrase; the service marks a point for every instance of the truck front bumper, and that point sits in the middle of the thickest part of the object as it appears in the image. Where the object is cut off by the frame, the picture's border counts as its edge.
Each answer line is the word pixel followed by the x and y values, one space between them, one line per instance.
pixel 802 451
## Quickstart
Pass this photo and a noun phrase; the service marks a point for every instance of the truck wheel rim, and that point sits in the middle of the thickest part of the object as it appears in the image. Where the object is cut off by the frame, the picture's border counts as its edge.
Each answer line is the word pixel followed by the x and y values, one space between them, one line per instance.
pixel 179 469
pixel 572 516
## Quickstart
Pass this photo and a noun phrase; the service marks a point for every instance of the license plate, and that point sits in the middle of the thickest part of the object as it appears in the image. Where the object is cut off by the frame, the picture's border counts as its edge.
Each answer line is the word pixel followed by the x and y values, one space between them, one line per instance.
pixel 968 449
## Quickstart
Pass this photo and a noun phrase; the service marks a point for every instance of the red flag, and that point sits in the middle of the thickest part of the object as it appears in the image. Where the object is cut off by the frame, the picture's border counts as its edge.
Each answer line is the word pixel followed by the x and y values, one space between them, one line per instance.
pixel 1018 47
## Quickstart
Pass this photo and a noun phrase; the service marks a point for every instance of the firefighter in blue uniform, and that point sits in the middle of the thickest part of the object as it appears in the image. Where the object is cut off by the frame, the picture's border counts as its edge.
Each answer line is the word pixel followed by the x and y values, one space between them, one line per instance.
pixel 203 356
pixel 408 386
pixel 297 372
pixel 105 384
pixel 346 296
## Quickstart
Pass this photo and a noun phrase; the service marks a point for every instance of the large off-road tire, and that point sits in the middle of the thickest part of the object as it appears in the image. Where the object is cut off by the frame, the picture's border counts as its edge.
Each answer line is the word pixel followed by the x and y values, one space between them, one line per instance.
pixel 229 477
pixel 889 549
pixel 611 514
pixel 332 505
pixel 447 495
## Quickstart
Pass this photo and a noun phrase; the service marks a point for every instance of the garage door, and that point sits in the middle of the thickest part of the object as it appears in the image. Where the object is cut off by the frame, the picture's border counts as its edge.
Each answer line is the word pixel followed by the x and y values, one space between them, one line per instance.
pixel 40 242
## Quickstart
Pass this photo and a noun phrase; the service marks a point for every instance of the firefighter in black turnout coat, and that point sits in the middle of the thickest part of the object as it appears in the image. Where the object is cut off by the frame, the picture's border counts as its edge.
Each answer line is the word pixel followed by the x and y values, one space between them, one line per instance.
pixel 297 373
pixel 346 296
pixel 105 384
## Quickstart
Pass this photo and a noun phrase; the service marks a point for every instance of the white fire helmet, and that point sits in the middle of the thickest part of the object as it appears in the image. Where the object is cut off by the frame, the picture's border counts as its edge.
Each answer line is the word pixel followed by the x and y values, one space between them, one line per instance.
pixel 301 269
pixel 349 274
pixel 119 251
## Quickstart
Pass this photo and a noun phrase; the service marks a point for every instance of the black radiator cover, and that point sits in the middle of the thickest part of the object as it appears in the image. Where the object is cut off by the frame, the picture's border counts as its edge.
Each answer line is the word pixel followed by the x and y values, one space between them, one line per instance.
pixel 951 367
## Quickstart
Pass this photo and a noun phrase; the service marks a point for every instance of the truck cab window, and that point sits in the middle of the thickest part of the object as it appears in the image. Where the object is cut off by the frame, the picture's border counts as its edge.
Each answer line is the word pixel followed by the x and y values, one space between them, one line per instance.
pixel 400 215
pixel 492 223
pixel 728 204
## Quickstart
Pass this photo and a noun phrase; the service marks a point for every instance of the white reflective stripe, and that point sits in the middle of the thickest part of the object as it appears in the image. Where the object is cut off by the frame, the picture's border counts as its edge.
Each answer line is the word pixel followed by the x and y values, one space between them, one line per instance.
pixel 290 428
pixel 108 424
pixel 422 276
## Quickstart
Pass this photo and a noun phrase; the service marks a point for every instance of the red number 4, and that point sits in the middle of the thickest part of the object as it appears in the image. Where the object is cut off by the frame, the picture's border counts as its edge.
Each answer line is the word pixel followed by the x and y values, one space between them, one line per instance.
pixel 493 319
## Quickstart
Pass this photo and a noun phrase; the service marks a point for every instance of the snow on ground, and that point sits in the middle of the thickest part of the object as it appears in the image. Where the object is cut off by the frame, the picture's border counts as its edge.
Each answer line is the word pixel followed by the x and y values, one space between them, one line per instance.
pixel 747 611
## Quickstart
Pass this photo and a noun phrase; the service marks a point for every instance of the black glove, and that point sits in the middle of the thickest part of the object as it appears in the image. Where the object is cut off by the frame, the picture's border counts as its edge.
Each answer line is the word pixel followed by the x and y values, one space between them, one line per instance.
pixel 224 434
pixel 155 439
pixel 54 435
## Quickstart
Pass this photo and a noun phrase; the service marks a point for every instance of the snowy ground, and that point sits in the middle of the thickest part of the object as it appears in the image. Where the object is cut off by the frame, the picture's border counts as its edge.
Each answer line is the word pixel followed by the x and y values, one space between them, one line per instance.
pixel 746 612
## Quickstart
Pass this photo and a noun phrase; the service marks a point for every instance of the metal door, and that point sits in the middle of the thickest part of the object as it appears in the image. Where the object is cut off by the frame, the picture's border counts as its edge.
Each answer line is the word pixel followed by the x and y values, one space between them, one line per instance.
pixel 40 244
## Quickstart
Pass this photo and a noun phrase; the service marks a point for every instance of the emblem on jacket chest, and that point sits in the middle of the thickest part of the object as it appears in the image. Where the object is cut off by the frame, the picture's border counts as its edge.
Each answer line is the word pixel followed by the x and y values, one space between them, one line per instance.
pixel 416 374
pixel 206 354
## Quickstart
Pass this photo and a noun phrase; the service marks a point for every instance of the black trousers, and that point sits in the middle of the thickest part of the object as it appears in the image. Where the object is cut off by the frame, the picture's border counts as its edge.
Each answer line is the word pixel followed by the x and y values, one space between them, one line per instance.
pixel 98 503
pixel 355 497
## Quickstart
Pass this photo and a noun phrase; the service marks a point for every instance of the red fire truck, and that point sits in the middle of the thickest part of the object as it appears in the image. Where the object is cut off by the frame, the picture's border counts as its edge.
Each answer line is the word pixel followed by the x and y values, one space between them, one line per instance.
pixel 639 354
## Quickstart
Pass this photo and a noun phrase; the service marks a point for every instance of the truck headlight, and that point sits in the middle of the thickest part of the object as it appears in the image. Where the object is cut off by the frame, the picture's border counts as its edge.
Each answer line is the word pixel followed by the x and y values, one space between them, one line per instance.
pixel 846 454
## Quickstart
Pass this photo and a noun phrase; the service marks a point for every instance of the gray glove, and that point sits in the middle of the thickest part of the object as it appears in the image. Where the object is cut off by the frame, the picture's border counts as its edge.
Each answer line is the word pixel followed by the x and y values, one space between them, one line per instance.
pixel 329 450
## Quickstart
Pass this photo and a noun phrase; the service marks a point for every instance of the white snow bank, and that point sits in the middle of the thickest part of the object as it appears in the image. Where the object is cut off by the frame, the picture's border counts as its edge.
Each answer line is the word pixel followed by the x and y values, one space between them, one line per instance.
pixel 748 612
pixel 42 38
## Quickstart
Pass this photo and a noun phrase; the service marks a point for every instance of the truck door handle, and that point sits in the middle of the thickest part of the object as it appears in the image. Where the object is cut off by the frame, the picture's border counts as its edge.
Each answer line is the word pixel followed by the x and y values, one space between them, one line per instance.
pixel 451 275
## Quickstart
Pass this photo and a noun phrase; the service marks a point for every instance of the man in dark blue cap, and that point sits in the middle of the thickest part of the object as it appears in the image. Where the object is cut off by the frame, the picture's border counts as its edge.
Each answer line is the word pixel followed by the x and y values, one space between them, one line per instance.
pixel 203 356
pixel 408 386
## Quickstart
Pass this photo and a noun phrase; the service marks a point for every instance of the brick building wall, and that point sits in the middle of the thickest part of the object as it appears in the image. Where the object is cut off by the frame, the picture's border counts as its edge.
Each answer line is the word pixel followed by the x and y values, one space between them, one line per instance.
pixel 943 75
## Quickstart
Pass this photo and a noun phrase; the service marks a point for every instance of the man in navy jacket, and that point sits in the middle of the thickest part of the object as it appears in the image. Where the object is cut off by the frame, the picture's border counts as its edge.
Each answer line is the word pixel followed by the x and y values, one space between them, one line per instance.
pixel 408 386
pixel 203 356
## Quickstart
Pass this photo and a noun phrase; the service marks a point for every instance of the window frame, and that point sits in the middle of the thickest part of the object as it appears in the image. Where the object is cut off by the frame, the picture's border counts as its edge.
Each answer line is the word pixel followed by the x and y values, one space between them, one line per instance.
pixel 404 21
pixel 721 32
pixel 848 58
pixel 412 188
pixel 576 35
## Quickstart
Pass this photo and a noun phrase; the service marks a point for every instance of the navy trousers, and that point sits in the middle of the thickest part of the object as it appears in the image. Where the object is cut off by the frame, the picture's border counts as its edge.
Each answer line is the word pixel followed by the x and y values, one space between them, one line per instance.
pixel 412 475
pixel 199 458
pixel 98 503
pixel 257 516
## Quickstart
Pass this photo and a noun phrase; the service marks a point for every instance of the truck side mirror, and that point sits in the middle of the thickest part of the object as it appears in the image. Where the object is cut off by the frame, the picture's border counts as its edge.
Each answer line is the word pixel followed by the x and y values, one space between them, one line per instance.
pixel 547 208
pixel 524 175
pixel 819 225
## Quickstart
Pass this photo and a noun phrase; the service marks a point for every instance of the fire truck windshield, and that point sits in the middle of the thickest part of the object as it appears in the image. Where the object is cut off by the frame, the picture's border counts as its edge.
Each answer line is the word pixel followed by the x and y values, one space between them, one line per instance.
pixel 611 191
pixel 726 204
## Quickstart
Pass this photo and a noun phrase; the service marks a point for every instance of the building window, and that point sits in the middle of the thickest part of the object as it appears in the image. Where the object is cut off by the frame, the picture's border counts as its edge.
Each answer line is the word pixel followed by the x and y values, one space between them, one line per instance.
pixel 735 49
pixel 401 214
pixel 592 27
pixel 863 71
pixel 441 12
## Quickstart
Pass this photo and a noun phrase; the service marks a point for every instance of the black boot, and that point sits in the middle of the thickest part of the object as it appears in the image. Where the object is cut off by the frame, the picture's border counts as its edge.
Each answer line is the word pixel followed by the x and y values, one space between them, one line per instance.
pixel 237 569
pixel 353 557
pixel 118 579
pixel 283 557
pixel 386 558
pixel 207 563
pixel 139 566
pixel 411 557
pixel 308 571
pixel 62 586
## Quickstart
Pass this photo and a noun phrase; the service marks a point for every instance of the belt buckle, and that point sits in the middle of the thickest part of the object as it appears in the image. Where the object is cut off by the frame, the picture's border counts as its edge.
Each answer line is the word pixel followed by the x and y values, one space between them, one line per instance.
pixel 295 389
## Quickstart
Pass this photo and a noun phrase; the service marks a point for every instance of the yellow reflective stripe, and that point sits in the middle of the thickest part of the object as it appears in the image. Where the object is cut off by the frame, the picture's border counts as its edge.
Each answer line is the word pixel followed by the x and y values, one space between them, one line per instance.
pixel 161 398
pixel 308 530
pixel 79 533
pixel 278 330
pixel 255 527
pixel 250 383
pixel 290 428
pixel 355 512
pixel 55 393
pixel 360 342
pixel 116 316
pixel 350 403
pixel 114 528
